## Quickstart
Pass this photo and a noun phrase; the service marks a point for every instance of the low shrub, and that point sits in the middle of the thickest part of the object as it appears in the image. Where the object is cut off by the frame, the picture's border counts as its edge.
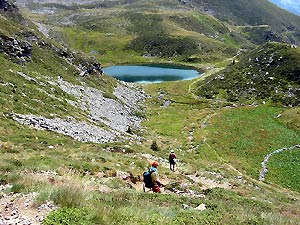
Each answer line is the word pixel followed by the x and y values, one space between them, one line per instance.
pixel 154 146
pixel 67 216
pixel 3 180
pixel 17 188
pixel 67 196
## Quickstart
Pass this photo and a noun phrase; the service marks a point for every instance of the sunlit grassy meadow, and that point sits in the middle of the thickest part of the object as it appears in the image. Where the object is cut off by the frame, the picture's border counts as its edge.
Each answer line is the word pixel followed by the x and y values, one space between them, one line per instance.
pixel 213 139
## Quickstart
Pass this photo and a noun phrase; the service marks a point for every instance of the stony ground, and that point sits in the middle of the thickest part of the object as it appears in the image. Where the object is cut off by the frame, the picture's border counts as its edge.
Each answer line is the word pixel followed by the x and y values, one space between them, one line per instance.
pixel 20 209
pixel 118 115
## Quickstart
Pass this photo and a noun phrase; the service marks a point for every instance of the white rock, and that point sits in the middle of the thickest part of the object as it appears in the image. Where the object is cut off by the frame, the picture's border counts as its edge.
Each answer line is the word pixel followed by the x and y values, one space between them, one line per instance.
pixel 185 206
pixel 201 207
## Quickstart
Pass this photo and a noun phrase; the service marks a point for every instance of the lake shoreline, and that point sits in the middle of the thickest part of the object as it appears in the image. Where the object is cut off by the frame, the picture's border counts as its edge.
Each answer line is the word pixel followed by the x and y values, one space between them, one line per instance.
pixel 152 73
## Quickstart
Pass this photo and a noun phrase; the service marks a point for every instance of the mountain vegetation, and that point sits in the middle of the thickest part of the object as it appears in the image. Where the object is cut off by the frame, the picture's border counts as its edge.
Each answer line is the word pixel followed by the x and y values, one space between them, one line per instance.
pixel 210 30
pixel 269 73
pixel 74 142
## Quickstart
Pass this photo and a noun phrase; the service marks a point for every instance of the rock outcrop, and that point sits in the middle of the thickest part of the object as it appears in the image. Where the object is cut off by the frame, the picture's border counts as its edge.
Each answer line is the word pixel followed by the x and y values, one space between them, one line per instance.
pixel 108 120
pixel 85 65
pixel 17 208
pixel 6 6
pixel 269 73
pixel 264 164
pixel 18 50
pixel 10 10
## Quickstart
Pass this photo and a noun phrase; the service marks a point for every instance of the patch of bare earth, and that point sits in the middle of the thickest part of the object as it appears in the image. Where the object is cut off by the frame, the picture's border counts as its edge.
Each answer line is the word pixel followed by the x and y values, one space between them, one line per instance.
pixel 208 183
pixel 20 209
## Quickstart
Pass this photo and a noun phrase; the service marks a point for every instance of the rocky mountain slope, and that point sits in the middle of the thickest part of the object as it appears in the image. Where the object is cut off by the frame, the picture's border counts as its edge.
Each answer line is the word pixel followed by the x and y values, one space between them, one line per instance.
pixel 269 73
pixel 74 143
pixel 208 30
pixel 261 18
pixel 37 73
pixel 252 12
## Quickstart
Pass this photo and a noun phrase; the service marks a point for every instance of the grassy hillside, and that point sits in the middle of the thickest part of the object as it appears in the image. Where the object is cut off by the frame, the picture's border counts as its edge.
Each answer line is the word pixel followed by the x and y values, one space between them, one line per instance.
pixel 137 31
pixel 30 85
pixel 240 136
pixel 142 37
pixel 45 63
pixel 254 12
pixel 225 140
pixel 219 148
pixel 269 73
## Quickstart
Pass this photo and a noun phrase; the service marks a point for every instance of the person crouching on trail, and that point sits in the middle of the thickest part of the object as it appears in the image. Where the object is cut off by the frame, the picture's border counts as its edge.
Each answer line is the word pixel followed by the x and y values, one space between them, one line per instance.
pixel 172 160
pixel 155 178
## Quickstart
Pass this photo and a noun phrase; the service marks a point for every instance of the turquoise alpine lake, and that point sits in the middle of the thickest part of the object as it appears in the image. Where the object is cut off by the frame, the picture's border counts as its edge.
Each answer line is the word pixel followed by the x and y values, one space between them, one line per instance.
pixel 151 73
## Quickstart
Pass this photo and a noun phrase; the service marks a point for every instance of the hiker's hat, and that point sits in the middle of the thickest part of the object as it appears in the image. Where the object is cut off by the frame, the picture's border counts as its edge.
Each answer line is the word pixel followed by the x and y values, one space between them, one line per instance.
pixel 172 151
pixel 155 164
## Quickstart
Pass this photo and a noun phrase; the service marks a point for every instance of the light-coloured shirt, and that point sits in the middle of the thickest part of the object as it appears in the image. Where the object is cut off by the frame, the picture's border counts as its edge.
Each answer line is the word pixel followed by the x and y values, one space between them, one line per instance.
pixel 154 176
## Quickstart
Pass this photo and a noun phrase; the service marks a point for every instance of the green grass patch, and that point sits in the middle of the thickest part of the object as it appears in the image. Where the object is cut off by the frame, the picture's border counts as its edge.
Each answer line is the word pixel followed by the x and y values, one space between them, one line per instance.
pixel 284 169
pixel 108 48
pixel 68 196
pixel 291 118
pixel 80 172
pixel 243 136
pixel 66 216
pixel 267 74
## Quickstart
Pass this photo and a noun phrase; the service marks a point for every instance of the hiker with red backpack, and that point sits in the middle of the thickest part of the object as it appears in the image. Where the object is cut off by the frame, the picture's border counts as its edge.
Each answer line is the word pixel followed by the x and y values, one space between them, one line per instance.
pixel 172 160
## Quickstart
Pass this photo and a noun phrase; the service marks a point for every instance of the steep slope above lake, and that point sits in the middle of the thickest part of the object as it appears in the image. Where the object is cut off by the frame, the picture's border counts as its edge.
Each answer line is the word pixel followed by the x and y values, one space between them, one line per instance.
pixel 269 73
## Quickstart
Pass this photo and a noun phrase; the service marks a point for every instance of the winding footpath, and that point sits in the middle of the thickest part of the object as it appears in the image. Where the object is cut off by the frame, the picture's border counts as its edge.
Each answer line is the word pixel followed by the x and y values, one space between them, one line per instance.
pixel 267 158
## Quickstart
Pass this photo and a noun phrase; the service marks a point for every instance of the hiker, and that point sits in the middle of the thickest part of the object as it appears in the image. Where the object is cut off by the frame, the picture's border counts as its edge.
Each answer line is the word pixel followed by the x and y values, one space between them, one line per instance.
pixel 155 178
pixel 172 160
